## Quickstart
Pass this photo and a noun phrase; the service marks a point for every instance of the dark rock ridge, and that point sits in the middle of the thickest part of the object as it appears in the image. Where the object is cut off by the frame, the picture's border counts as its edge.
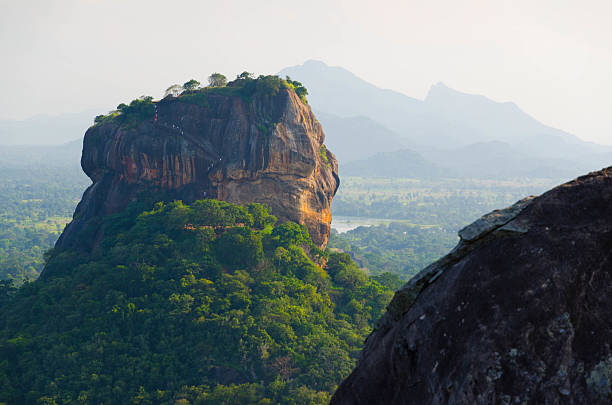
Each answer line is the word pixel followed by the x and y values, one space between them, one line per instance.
pixel 520 312
pixel 265 148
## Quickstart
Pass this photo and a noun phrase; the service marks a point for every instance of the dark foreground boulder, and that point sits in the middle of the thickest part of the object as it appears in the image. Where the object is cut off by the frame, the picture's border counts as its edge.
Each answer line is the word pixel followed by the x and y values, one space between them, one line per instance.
pixel 520 312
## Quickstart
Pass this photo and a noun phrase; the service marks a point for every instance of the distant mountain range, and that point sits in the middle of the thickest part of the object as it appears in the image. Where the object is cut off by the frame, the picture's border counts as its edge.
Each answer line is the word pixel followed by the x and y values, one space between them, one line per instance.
pixel 479 119
pixel 351 138
pixel 373 130
pixel 401 163
pixel 492 160
pixel 45 129
pixel 449 133
pixel 63 155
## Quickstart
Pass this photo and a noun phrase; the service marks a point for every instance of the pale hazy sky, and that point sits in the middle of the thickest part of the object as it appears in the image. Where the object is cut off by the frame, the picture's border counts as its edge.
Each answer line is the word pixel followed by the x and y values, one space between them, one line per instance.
pixel 553 58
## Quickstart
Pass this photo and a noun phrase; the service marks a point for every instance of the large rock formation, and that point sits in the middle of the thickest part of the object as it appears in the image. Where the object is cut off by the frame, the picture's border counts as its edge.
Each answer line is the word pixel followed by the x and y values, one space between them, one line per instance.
pixel 262 148
pixel 520 312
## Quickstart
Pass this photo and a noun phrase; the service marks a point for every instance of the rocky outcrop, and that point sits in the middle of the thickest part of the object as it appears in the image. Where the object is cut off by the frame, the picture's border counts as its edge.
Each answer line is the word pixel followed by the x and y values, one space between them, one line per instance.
pixel 520 312
pixel 262 148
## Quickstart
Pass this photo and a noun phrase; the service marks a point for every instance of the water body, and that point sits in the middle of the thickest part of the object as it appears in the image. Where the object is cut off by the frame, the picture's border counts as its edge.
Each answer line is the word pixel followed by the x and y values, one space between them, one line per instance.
pixel 345 224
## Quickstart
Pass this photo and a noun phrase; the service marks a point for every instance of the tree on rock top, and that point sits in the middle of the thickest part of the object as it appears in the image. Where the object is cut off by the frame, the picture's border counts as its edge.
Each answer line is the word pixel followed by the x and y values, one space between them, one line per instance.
pixel 175 90
pixel 191 85
pixel 217 80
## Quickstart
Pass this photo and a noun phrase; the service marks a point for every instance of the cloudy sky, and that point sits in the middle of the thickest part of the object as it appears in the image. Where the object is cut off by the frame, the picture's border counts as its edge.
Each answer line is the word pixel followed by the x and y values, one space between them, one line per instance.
pixel 553 58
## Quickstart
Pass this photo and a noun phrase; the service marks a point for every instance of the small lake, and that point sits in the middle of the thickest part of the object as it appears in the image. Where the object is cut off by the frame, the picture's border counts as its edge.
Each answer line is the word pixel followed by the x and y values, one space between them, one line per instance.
pixel 345 224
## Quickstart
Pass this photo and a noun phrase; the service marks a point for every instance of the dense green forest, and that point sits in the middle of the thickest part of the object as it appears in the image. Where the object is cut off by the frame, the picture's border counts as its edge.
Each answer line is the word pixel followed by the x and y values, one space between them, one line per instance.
pixel 39 188
pixel 42 185
pixel 208 303
pixel 448 203
pixel 427 214
pixel 398 248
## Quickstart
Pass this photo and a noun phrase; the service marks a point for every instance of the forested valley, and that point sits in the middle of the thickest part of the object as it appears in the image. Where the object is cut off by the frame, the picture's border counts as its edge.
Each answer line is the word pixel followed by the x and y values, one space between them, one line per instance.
pixel 416 220
pixel 39 188
pixel 42 185
pixel 210 272
pixel 240 299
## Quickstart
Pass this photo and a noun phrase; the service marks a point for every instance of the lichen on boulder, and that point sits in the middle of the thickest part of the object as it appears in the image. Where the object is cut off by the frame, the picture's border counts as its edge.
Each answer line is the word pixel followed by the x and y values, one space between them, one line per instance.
pixel 599 380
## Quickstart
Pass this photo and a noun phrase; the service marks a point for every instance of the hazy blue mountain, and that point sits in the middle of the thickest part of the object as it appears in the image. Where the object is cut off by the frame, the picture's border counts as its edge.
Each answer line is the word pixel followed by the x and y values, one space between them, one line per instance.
pixel 489 120
pixel 337 91
pixel 490 160
pixel 46 130
pixel 500 160
pixel 64 155
pixel 355 138
pixel 401 163
pixel 340 92
pixel 446 119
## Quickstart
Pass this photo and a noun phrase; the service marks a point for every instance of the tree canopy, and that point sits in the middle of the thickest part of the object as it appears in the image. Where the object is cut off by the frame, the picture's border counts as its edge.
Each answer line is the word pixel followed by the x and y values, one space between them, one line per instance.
pixel 191 85
pixel 245 86
pixel 203 303
pixel 299 88
pixel 245 75
pixel 138 110
pixel 217 80
pixel 175 90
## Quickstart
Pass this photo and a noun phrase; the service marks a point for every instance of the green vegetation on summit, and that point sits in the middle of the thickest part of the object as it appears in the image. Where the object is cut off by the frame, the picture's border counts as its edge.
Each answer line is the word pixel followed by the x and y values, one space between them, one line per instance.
pixel 245 85
pixel 138 110
pixel 207 303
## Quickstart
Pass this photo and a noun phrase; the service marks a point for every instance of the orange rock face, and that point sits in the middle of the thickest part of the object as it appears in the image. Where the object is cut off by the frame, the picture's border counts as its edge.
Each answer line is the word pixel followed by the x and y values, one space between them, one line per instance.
pixel 266 149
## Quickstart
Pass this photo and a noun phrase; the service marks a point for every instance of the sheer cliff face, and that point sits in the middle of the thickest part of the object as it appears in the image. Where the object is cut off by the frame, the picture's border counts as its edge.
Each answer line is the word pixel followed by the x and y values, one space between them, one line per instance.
pixel 265 149
pixel 520 312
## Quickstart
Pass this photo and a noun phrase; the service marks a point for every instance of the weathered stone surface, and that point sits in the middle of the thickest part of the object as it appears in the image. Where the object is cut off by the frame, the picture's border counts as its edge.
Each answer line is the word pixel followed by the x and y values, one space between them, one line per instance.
pixel 520 312
pixel 492 221
pixel 266 149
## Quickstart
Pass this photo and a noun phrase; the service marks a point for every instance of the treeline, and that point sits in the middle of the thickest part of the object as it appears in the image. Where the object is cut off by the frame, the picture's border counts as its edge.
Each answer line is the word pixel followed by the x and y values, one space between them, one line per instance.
pixel 39 189
pixel 448 203
pixel 397 248
pixel 452 213
pixel 208 303
pixel 246 85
